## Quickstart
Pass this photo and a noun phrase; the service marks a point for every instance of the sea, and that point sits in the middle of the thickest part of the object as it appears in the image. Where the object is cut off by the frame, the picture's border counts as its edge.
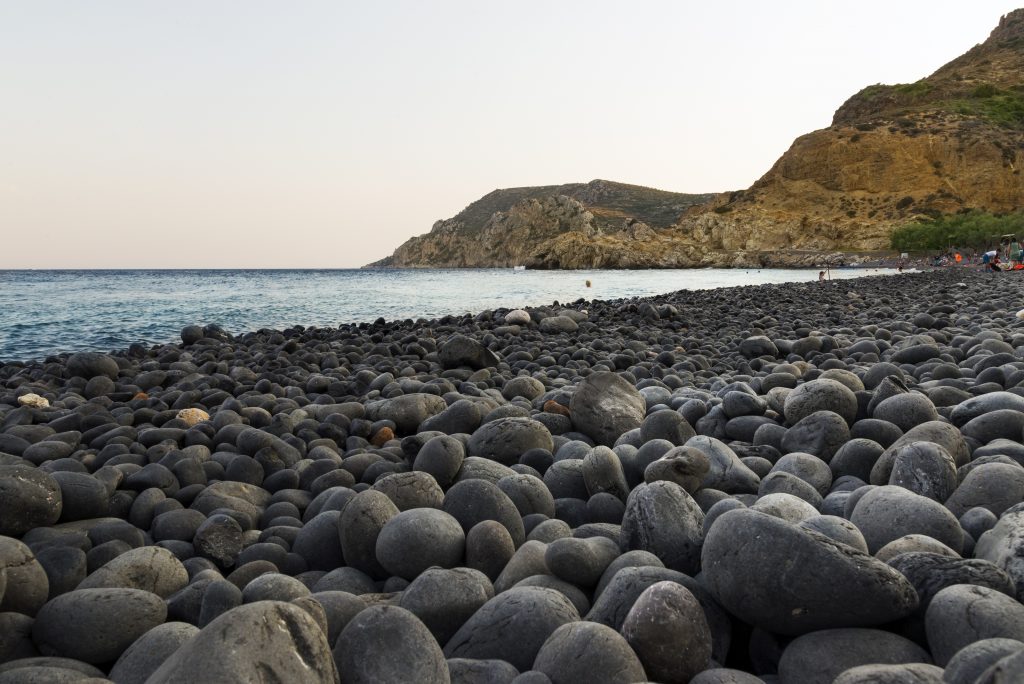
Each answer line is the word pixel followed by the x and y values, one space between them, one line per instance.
pixel 44 313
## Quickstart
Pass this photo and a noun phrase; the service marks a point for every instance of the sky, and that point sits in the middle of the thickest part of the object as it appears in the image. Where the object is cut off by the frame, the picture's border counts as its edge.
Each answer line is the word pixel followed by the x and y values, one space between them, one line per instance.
pixel 309 134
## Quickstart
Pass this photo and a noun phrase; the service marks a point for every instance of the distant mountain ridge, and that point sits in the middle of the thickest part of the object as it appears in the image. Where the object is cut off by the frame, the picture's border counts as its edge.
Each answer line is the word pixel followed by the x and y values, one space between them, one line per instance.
pixel 507 227
pixel 950 142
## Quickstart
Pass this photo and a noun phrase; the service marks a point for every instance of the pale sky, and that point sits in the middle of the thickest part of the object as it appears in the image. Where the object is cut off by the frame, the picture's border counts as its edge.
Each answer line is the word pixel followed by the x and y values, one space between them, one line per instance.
pixel 246 134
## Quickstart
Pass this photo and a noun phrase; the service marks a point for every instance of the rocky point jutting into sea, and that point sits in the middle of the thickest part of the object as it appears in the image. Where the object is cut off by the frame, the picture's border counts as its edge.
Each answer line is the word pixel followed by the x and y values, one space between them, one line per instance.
pixel 894 154
pixel 793 483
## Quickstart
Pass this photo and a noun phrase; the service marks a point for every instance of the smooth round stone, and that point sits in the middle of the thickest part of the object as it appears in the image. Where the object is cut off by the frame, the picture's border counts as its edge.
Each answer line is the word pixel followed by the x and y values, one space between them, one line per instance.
pixel 878 431
pixel 784 506
pixel 624 589
pixel 263 641
pixel 26 583
pixel 89 365
pixel 523 386
pixel 838 529
pixel 441 457
pixel 588 652
pixel 477 468
pixel 943 434
pixel 473 501
pixel 65 566
pixel 925 468
pixel 49 669
pixel 349 580
pixel 962 614
pixel 318 542
pixel 29 498
pixel 444 599
pixel 724 675
pixel 580 561
pixel 150 568
pixel 273 586
pixel 82 496
pixel 506 439
pixel 977 521
pixel 667 425
pixel 149 652
pixel 663 519
pixel 968 410
pixel 96 625
pixel 914 543
pixel 604 406
pixel 820 395
pixel 389 644
pixel 906 411
pixel 460 350
pixel 417 539
pixel 179 524
pixel 16 637
pixel 971 661
pixel 918 673
pixel 821 433
pixel 528 493
pixel 887 513
pixel 218 597
pixel 359 526
pixel 527 561
pixel 996 425
pixel 808 468
pixel 481 671
pixel 746 563
pixel 602 472
pixel 668 631
pixel 819 657
pixel 489 547
pixel 407 411
pixel 758 345
pixel 994 486
pixel 781 482
pixel 512 626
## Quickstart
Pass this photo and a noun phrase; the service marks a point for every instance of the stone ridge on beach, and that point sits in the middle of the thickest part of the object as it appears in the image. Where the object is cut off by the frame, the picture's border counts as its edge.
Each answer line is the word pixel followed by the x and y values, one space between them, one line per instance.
pixel 781 483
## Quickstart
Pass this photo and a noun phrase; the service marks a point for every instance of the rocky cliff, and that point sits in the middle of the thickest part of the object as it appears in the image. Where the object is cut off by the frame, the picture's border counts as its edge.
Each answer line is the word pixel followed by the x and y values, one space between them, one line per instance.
pixel 509 227
pixel 949 142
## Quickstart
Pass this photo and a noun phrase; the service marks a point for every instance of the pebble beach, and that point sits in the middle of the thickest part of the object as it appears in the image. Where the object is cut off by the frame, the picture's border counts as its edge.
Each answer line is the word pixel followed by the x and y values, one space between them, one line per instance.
pixel 801 483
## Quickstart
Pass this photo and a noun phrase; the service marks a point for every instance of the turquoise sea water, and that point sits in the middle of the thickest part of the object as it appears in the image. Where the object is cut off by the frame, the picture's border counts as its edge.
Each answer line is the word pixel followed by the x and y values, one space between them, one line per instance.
pixel 47 312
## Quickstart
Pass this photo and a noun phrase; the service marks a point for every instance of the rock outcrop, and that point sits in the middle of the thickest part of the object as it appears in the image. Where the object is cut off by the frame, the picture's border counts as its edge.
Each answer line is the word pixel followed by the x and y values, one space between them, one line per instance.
pixel 508 227
pixel 893 154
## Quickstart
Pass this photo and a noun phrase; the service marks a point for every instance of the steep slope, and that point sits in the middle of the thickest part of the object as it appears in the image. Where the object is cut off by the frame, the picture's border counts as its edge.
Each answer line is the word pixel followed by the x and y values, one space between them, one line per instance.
pixel 506 227
pixel 949 142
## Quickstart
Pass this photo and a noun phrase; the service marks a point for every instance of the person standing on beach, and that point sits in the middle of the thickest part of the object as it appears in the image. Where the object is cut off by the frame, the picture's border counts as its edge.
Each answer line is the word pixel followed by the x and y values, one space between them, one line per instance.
pixel 821 276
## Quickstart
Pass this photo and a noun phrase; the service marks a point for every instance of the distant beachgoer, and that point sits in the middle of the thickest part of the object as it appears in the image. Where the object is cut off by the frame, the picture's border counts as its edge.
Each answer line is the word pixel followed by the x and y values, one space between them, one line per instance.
pixel 958 258
pixel 821 276
pixel 991 260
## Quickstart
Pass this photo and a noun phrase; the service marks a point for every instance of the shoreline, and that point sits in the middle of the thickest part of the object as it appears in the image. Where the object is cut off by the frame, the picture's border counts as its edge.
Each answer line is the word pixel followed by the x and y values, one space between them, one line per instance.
pixel 581 464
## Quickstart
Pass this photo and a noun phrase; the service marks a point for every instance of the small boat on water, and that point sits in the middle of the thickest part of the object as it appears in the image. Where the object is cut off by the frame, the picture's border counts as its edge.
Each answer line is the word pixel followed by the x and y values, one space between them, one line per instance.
pixel 519 268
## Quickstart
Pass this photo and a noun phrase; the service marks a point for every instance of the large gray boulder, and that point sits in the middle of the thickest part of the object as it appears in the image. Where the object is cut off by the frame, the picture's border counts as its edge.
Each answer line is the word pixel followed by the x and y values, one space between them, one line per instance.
pixel 604 406
pixel 257 642
pixel 747 563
